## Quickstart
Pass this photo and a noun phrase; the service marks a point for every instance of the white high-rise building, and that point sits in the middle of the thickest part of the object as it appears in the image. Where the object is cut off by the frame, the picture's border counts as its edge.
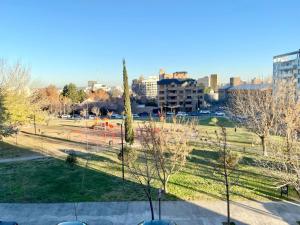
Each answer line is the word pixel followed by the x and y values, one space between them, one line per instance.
pixel 287 66
pixel 145 87
pixel 150 86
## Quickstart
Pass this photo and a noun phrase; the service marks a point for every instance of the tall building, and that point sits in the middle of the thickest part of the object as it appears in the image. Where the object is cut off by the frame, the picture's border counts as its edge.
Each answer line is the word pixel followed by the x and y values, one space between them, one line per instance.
pixel 145 87
pixel 210 81
pixel 150 86
pixel 214 82
pixel 235 81
pixel 179 95
pixel 287 66
pixel 204 81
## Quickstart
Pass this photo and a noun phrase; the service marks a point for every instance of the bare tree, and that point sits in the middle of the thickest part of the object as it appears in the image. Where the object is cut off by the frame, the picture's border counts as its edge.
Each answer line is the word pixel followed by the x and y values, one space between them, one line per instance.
pixel 142 168
pixel 96 111
pixel 169 144
pixel 226 166
pixel 284 158
pixel 255 109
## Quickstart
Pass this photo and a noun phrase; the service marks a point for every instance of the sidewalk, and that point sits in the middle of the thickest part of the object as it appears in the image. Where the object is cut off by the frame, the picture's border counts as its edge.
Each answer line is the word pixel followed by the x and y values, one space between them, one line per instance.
pixel 131 213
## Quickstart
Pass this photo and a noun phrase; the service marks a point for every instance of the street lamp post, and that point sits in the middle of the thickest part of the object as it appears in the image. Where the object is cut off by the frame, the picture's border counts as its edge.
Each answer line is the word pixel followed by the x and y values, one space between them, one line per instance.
pixel 122 150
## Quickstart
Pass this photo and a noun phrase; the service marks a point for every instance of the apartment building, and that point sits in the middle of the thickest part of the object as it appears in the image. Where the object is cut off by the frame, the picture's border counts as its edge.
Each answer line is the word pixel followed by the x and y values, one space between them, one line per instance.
pixel 179 95
pixel 145 87
pixel 175 75
pixel 287 66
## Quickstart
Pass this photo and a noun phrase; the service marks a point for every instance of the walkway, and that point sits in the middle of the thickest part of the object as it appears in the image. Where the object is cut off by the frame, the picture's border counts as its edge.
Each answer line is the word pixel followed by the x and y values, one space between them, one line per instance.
pixel 130 213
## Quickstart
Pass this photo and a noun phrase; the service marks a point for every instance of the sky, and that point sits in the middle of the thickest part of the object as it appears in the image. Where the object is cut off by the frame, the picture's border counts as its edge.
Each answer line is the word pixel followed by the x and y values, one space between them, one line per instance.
pixel 75 41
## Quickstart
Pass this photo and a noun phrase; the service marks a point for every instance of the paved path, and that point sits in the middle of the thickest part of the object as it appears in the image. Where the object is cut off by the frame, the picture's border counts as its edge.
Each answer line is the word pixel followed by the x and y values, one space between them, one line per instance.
pixel 130 213
pixel 25 158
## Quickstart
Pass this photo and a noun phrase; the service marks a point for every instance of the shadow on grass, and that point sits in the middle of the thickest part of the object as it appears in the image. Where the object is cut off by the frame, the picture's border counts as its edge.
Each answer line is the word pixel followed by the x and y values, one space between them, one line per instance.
pixel 8 150
pixel 51 180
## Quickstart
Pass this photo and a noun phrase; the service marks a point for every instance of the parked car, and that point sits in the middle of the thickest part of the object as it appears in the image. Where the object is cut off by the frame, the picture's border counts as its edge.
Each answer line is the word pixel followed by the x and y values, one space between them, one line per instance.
pixel 65 116
pixel 8 223
pixel 116 116
pixel 91 117
pixel 170 114
pixel 134 115
pixel 76 117
pixel 204 112
pixel 183 114
pixel 157 222
pixel 144 114
pixel 72 223
pixel 219 114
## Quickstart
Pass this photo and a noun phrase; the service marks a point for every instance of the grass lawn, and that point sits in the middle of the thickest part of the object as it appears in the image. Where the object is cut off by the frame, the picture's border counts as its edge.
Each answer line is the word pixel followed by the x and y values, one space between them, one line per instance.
pixel 97 177
pixel 8 150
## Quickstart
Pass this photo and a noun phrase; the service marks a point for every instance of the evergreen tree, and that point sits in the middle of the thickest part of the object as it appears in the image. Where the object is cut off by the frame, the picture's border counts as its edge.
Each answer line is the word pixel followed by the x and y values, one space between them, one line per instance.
pixel 129 134
pixel 70 91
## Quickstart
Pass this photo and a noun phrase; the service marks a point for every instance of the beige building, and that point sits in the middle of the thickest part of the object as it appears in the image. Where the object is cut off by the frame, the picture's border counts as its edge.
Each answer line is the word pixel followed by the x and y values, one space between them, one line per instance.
pixel 204 81
pixel 175 75
pixel 179 95
pixel 210 81
pixel 235 81
pixel 214 82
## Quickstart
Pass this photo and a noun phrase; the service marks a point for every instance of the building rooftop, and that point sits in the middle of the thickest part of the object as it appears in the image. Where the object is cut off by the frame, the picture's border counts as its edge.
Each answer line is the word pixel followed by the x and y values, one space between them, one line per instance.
pixel 176 81
pixel 287 54
pixel 251 87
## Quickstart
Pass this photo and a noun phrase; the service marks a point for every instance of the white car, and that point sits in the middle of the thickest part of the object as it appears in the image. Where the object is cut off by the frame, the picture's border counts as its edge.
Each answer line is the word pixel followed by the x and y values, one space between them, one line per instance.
pixel 204 112
pixel 65 116
pixel 219 114
pixel 183 114
pixel 116 116
pixel 135 115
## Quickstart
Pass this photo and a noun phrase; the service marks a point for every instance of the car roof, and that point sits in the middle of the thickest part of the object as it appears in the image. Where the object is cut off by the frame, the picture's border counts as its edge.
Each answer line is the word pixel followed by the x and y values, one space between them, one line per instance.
pixel 159 222
pixel 7 223
pixel 71 223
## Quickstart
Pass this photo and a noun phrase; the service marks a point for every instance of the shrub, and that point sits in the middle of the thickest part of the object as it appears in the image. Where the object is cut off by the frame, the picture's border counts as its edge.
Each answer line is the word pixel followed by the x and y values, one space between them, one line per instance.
pixel 71 159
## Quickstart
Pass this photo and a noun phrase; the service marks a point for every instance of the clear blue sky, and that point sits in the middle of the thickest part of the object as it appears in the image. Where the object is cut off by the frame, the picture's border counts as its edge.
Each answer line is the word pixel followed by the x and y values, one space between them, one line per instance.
pixel 69 40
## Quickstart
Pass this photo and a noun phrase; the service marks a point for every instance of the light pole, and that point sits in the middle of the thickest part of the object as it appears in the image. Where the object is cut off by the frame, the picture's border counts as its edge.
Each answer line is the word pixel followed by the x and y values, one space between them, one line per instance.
pixel 122 150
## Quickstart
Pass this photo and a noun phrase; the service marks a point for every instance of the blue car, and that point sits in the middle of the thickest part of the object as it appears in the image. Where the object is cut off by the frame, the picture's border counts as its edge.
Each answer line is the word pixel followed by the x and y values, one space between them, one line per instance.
pixel 158 222
pixel 8 223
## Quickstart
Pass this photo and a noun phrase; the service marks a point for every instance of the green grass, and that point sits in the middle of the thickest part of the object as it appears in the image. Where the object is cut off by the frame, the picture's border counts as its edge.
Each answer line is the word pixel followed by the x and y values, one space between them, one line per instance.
pixel 52 180
pixel 11 151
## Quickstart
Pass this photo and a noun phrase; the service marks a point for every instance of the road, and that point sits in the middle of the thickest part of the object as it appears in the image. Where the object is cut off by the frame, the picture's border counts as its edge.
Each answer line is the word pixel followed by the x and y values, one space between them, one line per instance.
pixel 131 213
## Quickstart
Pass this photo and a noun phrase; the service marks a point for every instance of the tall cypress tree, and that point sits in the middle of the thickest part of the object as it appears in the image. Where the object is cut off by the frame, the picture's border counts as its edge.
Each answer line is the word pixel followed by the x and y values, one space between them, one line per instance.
pixel 129 133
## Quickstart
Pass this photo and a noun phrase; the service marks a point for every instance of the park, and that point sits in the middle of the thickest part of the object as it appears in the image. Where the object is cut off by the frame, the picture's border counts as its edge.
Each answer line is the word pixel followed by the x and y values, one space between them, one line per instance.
pixel 34 170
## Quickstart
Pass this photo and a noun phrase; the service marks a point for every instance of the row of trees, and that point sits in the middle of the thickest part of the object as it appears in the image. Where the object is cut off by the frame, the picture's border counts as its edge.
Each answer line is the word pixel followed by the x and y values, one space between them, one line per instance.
pixel 275 118
pixel 266 112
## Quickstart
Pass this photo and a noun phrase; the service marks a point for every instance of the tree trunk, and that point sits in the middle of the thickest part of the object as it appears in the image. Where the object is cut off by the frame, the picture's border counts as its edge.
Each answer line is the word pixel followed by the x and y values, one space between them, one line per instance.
pixel 264 146
pixel 227 199
pixel 165 184
pixel 150 202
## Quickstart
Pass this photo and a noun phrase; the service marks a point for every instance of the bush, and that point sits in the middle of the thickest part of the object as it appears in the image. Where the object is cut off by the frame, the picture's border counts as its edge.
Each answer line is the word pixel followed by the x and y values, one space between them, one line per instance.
pixel 71 159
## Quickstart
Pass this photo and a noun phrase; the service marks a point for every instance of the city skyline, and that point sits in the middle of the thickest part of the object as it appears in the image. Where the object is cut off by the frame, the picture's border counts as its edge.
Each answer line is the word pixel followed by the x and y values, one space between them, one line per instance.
pixel 80 41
